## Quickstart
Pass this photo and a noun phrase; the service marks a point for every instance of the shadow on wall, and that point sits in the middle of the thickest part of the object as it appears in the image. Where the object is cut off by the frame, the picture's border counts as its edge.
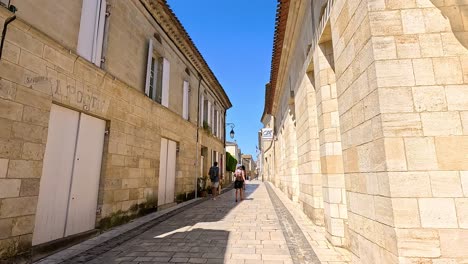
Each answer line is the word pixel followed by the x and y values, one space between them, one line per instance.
pixel 457 14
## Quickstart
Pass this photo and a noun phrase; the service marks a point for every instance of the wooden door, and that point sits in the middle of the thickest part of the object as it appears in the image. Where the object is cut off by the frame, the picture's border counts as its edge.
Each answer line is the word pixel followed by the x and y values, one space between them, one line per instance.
pixel 85 181
pixel 167 172
pixel 56 175
pixel 162 172
pixel 171 171
pixel 70 176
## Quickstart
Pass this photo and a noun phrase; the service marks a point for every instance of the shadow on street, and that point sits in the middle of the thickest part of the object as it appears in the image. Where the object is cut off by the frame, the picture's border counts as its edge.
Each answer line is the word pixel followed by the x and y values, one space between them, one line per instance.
pixel 188 236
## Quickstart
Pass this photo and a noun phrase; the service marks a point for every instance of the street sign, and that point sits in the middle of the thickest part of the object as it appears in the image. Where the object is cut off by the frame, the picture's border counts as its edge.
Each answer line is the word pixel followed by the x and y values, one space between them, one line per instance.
pixel 267 133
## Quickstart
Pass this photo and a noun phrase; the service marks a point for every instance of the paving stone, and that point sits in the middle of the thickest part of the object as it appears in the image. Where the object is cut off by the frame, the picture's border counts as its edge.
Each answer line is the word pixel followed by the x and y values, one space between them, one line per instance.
pixel 264 228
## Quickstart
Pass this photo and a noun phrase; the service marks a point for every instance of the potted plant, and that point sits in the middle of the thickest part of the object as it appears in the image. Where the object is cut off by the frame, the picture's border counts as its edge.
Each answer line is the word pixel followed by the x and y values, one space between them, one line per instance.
pixel 202 186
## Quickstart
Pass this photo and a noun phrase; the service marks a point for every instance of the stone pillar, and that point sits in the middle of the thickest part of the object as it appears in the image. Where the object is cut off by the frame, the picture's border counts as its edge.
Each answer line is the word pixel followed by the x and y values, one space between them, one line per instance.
pixel 308 149
pixel 287 166
pixel 291 156
pixel 401 76
pixel 334 193
pixel 428 54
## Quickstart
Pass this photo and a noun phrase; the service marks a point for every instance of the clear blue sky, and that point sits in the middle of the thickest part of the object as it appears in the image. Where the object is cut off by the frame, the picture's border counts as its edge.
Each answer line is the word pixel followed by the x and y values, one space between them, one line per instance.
pixel 236 40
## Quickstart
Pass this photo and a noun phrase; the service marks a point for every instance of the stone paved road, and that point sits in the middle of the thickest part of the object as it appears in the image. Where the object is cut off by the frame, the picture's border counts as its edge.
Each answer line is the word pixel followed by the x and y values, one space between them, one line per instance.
pixel 264 228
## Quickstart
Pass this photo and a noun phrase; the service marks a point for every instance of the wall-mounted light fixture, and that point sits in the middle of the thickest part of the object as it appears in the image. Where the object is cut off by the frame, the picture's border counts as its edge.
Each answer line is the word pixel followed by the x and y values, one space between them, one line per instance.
pixel 231 134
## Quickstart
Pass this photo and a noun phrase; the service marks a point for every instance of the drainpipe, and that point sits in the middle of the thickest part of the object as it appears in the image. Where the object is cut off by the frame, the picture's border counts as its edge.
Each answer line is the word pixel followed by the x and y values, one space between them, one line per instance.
pixel 105 43
pixel 198 136
pixel 224 141
pixel 5 26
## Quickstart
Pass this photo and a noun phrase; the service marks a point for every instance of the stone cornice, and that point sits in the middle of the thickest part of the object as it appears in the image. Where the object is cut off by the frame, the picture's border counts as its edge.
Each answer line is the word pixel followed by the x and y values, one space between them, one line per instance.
pixel 166 18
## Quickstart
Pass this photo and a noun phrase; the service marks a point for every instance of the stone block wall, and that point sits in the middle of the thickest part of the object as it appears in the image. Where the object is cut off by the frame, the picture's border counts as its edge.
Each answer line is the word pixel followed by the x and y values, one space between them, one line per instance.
pixel 371 236
pixel 399 69
pixel 390 79
pixel 45 15
pixel 36 72
pixel 426 49
pixel 308 151
pixel 333 184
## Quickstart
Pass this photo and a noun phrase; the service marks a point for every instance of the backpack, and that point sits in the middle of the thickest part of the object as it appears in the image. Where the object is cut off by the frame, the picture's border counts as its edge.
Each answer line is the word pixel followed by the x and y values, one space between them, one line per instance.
pixel 213 173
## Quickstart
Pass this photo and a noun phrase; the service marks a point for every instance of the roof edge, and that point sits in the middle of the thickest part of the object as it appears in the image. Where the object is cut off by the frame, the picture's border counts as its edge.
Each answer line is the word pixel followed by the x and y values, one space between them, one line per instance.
pixel 282 13
pixel 182 39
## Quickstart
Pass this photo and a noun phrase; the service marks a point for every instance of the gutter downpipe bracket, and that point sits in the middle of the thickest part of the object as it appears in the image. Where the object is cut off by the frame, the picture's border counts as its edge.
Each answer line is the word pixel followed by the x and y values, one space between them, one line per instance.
pixel 4 31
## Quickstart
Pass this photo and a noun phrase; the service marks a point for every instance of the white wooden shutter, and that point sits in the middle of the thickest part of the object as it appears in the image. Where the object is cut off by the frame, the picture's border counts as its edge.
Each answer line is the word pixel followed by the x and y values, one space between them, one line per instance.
pixel 165 82
pixel 215 122
pixel 171 171
pixel 162 172
pixel 201 107
pixel 99 33
pixel 209 113
pixel 185 108
pixel 90 37
pixel 56 177
pixel 148 67
pixel 223 126
pixel 86 175
pixel 218 117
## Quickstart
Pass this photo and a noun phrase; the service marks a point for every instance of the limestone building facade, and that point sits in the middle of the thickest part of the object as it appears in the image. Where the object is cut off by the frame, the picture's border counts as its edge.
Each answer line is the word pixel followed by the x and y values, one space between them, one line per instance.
pixel 368 102
pixel 234 150
pixel 106 107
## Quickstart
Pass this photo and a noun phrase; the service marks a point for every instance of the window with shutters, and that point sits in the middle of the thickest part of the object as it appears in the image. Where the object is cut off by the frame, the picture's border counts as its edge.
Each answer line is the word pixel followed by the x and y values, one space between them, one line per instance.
pixel 156 84
pixel 157 77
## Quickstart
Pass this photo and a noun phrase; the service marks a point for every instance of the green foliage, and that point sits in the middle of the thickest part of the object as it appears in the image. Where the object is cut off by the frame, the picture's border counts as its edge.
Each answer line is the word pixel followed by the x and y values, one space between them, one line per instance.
pixel 206 127
pixel 231 162
pixel 182 197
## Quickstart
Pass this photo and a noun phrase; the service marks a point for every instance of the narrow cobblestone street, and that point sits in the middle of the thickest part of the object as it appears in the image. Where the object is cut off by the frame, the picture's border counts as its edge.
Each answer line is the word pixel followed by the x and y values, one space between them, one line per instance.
pixel 264 228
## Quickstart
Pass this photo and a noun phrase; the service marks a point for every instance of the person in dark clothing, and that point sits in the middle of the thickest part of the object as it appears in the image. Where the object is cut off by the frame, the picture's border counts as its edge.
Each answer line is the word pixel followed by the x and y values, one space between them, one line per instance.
pixel 239 182
pixel 214 177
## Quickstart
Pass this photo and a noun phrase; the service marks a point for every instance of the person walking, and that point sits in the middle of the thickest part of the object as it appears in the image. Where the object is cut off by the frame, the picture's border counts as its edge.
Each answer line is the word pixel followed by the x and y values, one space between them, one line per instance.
pixel 214 177
pixel 239 182
pixel 245 176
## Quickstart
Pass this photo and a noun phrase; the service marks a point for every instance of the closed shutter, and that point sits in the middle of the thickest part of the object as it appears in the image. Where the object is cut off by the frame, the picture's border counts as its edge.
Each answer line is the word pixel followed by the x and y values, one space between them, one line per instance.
pixel 209 113
pixel 165 82
pixel 149 63
pixel 202 108
pixel 185 103
pixel 99 33
pixel 90 37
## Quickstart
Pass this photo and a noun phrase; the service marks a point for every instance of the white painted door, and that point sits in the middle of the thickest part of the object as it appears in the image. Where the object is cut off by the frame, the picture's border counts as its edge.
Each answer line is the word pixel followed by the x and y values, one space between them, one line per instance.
pixel 171 171
pixel 56 175
pixel 167 172
pixel 86 172
pixel 70 176
pixel 162 172
pixel 202 166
